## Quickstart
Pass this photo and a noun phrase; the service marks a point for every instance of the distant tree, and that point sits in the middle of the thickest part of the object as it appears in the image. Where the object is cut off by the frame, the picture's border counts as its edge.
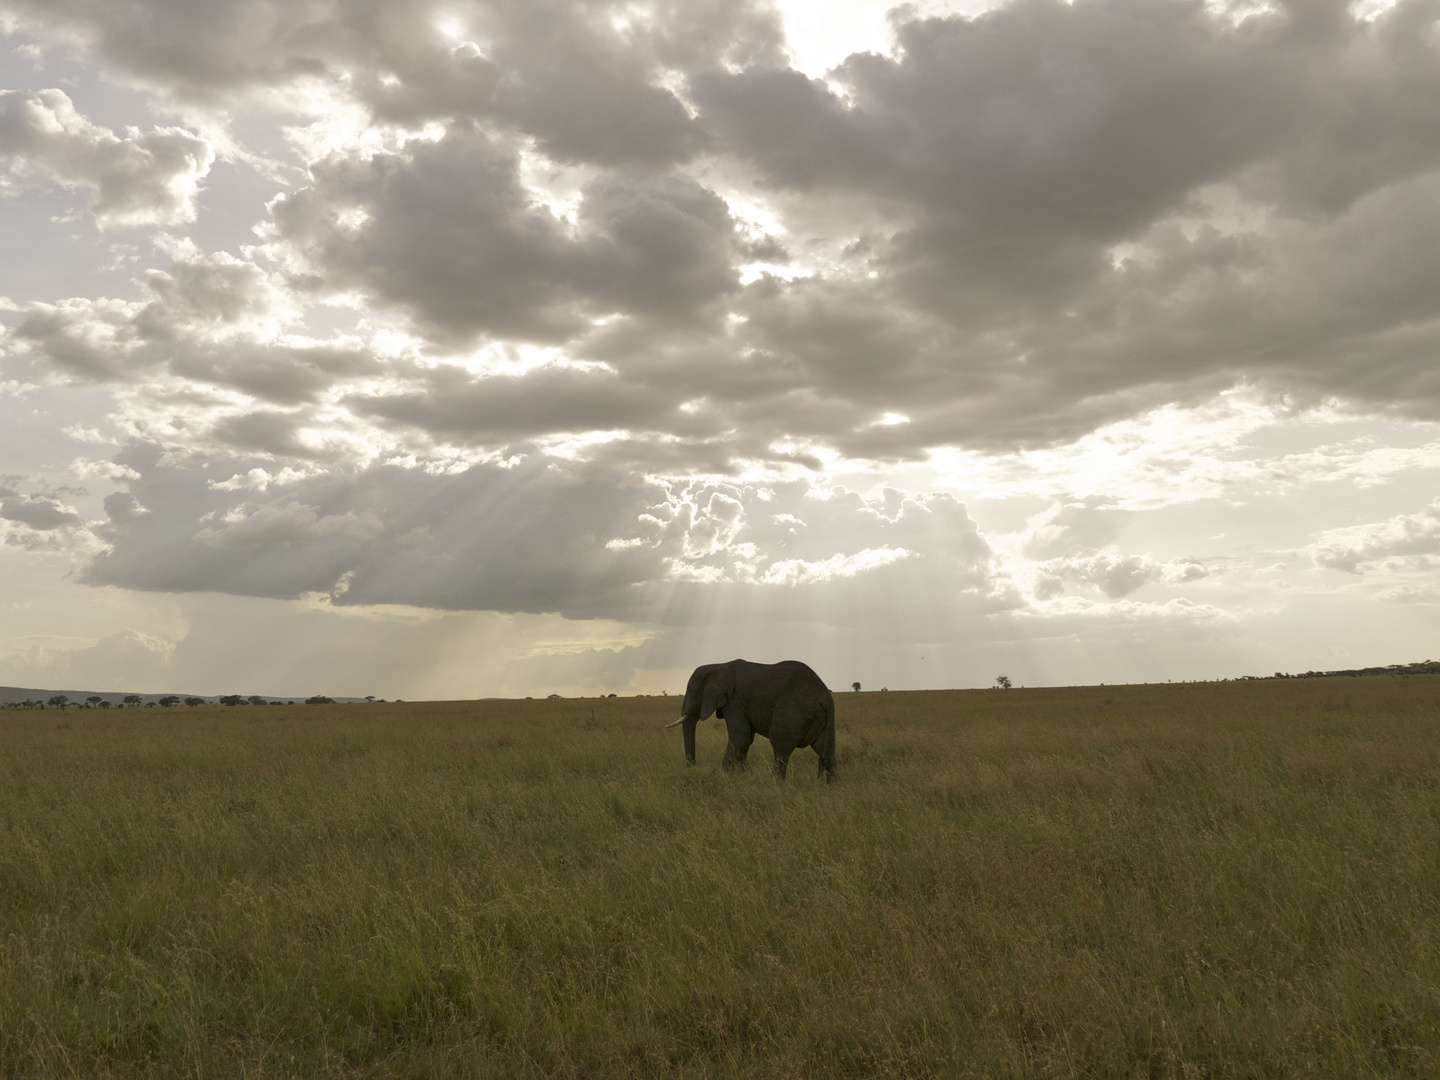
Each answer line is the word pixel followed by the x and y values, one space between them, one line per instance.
pixel 319 699
pixel 1003 682
pixel 169 701
pixel 884 689
pixel 256 699
pixel 57 701
pixel 232 699
pixel 554 697
pixel 855 686
pixel 131 699
pixel 29 703
pixel 94 699
pixel 193 701
pixel 104 704
pixel 370 698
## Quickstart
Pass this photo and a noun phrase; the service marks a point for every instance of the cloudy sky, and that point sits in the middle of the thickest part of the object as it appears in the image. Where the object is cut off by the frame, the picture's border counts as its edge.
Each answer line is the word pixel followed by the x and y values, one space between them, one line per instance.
pixel 457 348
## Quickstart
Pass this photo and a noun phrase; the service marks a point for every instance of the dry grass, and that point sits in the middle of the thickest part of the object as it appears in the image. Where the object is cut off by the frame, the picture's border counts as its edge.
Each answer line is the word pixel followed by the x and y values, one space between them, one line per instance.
pixel 1190 881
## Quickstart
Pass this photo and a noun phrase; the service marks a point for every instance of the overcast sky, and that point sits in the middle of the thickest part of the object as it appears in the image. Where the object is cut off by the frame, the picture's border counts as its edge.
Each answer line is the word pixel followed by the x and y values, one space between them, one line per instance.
pixel 458 348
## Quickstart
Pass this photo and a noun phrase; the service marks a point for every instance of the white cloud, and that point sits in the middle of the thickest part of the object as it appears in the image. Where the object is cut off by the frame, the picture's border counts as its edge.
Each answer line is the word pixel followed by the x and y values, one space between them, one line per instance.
pixel 1114 575
pixel 88 469
pixel 149 178
pixel 1065 527
pixel 801 572
pixel 1177 611
pixel 256 480
pixel 1407 539
pixel 122 660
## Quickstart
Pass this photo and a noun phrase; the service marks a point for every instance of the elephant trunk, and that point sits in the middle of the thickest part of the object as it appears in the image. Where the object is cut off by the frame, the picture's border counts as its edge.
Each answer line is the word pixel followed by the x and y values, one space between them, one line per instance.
pixel 689 720
pixel 688 729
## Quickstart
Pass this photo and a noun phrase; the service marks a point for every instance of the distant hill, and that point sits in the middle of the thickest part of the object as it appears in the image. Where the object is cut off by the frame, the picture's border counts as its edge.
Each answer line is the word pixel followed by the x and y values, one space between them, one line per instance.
pixel 14 695
pixel 1420 667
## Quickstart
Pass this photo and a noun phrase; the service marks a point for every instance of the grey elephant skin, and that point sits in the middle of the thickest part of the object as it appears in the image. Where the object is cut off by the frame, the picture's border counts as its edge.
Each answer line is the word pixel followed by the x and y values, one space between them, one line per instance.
pixel 785 702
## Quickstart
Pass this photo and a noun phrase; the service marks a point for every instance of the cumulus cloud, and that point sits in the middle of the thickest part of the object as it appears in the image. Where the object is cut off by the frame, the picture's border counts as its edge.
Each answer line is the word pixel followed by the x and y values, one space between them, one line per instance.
pixel 526 538
pixel 1066 527
pixel 613 276
pixel 43 522
pixel 148 178
pixel 288 523
pixel 590 83
pixel 1405 540
pixel 538 534
pixel 1014 229
pixel 210 321
pixel 801 572
pixel 447 232
pixel 124 659
pixel 37 512
pixel 1067 614
pixel 1114 575
pixel 1086 230
pixel 256 479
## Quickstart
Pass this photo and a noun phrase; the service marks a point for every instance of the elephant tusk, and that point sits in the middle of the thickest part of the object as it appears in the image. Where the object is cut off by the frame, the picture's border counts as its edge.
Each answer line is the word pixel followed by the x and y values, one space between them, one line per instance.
pixel 676 724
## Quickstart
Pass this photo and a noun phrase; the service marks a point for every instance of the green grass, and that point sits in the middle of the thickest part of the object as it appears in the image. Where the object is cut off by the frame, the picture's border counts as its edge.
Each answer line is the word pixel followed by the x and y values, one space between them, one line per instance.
pixel 1224 880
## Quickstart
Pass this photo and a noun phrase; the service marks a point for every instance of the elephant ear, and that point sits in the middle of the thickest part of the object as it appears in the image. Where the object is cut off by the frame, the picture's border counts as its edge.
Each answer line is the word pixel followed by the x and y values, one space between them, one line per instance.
pixel 719 686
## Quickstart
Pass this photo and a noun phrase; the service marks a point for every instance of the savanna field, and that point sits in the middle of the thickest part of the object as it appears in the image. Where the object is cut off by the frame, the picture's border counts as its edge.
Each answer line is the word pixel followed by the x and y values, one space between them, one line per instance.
pixel 1205 880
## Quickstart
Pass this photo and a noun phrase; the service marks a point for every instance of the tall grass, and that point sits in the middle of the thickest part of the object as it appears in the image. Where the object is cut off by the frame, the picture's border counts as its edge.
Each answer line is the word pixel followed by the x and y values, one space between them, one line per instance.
pixel 1224 880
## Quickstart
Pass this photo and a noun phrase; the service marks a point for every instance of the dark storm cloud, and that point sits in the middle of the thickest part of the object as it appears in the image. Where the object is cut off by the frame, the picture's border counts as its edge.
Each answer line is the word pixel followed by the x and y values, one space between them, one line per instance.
pixel 1012 230
pixel 1043 120
pixel 1263 171
pixel 1021 144
pixel 447 232
pixel 37 512
pixel 284 375
pixel 540 534
pixel 463 409
pixel 526 538
pixel 1003 159
pixel 268 431
pixel 40 522
pixel 1016 228
pixel 581 79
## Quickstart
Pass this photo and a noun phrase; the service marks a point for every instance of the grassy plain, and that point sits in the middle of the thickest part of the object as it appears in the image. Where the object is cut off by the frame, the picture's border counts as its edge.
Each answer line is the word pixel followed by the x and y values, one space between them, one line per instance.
pixel 1222 880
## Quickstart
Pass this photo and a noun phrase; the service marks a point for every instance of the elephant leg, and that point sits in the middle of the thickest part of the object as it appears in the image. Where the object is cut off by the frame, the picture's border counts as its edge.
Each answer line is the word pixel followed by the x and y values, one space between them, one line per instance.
pixel 738 748
pixel 827 770
pixel 825 749
pixel 782 760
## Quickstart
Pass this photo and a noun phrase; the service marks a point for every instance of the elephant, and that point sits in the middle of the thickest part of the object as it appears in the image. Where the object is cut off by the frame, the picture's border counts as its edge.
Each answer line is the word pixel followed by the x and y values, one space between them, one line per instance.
pixel 785 702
